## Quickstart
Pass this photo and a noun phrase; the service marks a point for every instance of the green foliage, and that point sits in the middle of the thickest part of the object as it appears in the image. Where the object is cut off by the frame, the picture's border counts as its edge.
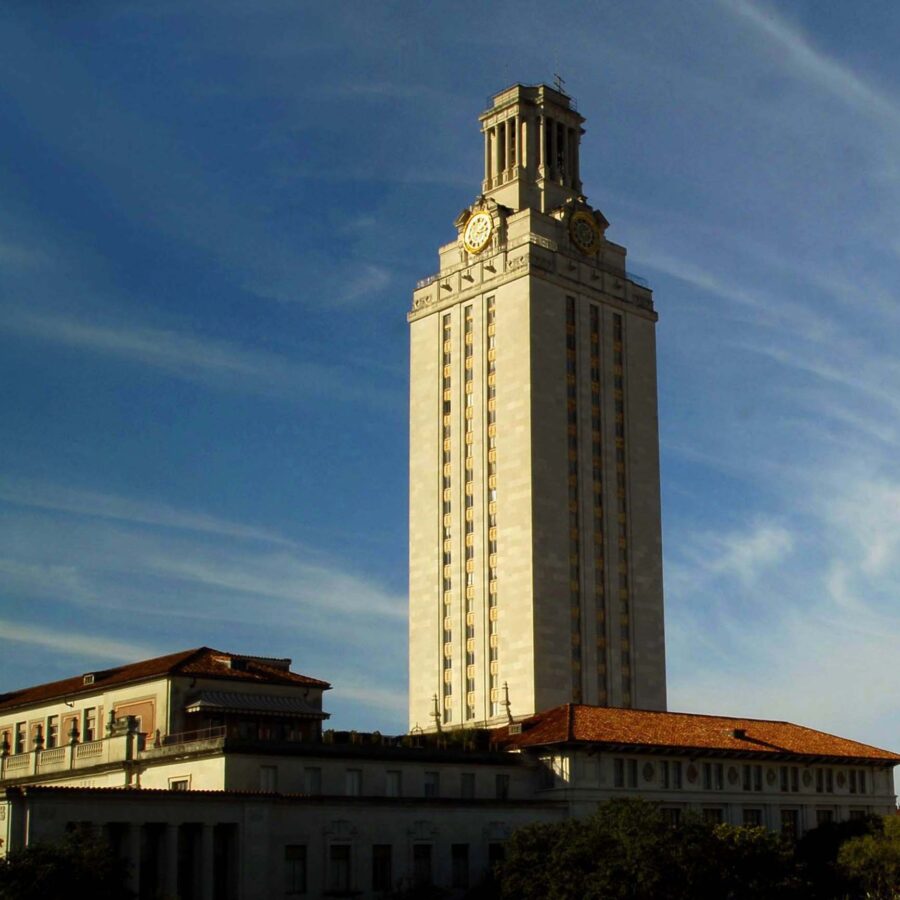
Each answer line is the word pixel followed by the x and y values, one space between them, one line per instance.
pixel 817 858
pixel 874 861
pixel 79 865
pixel 626 851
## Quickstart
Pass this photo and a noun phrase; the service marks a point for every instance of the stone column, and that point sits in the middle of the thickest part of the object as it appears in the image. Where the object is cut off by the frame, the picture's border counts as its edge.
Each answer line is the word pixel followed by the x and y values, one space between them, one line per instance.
pixel 132 847
pixel 540 136
pixel 576 167
pixel 551 163
pixel 207 878
pixel 170 861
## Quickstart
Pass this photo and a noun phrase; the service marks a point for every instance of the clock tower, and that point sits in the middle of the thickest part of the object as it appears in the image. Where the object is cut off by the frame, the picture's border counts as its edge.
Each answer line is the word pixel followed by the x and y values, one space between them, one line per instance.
pixel 535 548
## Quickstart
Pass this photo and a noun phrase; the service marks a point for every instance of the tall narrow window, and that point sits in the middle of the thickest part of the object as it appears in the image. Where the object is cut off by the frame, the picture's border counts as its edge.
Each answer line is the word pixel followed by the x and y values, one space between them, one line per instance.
pixel 447 575
pixel 459 857
pixel 422 869
pixel 294 869
pixel 353 782
pixel 501 787
pixel 89 732
pixel 394 784
pixel 52 732
pixel 382 875
pixel 574 498
pixel 491 501
pixel 622 507
pixel 467 785
pixel 432 784
pixel 339 867
pixel 471 567
pixel 268 779
pixel 597 498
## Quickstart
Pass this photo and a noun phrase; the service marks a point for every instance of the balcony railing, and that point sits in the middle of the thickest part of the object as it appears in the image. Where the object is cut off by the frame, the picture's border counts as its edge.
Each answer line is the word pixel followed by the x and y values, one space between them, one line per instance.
pixel 113 749
pixel 193 737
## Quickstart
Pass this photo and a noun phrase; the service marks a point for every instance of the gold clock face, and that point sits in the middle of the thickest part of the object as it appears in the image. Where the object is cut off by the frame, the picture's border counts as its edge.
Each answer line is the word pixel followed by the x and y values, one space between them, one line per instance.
pixel 585 233
pixel 478 232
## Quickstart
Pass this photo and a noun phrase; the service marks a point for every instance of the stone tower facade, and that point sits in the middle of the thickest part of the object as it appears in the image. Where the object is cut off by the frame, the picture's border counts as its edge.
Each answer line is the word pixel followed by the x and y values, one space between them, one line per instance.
pixel 535 547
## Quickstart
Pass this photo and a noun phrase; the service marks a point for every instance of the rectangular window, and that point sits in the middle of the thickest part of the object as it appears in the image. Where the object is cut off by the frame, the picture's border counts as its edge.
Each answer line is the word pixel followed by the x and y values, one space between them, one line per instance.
pixel 294 869
pixel 676 775
pixel 752 818
pixel 713 815
pixel 501 787
pixel 382 876
pixel 790 778
pixel 339 867
pixel 52 732
pixel 713 776
pixel 179 784
pixel 21 733
pixel 824 816
pixel 89 732
pixel 432 784
pixel 422 874
pixel 625 772
pixel 459 858
pixel 671 815
pixel 268 779
pixel 789 822
pixel 312 780
pixel 353 782
pixel 467 785
pixel 394 784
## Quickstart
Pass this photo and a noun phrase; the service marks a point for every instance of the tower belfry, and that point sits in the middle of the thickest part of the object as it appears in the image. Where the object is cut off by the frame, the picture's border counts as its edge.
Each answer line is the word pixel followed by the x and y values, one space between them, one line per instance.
pixel 535 547
pixel 531 142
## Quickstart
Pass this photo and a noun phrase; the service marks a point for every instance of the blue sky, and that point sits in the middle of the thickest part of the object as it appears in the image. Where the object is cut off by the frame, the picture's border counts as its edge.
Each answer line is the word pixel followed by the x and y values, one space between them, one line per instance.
pixel 212 216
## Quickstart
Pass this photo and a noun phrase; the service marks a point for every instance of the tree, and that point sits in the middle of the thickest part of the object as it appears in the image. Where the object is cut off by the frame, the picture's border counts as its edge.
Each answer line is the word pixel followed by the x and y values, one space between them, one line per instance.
pixel 817 857
pixel 626 851
pixel 874 861
pixel 79 865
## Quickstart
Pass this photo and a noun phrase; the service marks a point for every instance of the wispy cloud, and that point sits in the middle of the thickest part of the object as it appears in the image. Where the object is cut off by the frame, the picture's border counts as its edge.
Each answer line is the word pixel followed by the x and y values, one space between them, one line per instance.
pixel 87 646
pixel 214 363
pixel 389 698
pixel 61 498
pixel 798 51
pixel 125 566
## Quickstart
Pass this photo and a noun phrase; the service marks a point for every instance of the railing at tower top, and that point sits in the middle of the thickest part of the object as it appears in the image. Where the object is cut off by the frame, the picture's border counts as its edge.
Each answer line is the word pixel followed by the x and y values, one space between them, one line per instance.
pixel 550 245
pixel 489 101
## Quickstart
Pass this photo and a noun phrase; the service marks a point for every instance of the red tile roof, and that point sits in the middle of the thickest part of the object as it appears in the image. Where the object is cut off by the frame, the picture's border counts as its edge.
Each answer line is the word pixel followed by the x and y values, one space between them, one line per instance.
pixel 201 661
pixel 640 728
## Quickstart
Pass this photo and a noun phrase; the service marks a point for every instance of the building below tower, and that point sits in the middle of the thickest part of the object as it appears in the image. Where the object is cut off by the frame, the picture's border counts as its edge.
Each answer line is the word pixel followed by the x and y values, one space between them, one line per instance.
pixel 256 801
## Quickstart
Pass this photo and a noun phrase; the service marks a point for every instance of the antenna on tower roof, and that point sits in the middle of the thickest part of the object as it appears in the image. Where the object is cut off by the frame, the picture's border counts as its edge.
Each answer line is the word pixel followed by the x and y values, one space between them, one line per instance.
pixel 558 82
